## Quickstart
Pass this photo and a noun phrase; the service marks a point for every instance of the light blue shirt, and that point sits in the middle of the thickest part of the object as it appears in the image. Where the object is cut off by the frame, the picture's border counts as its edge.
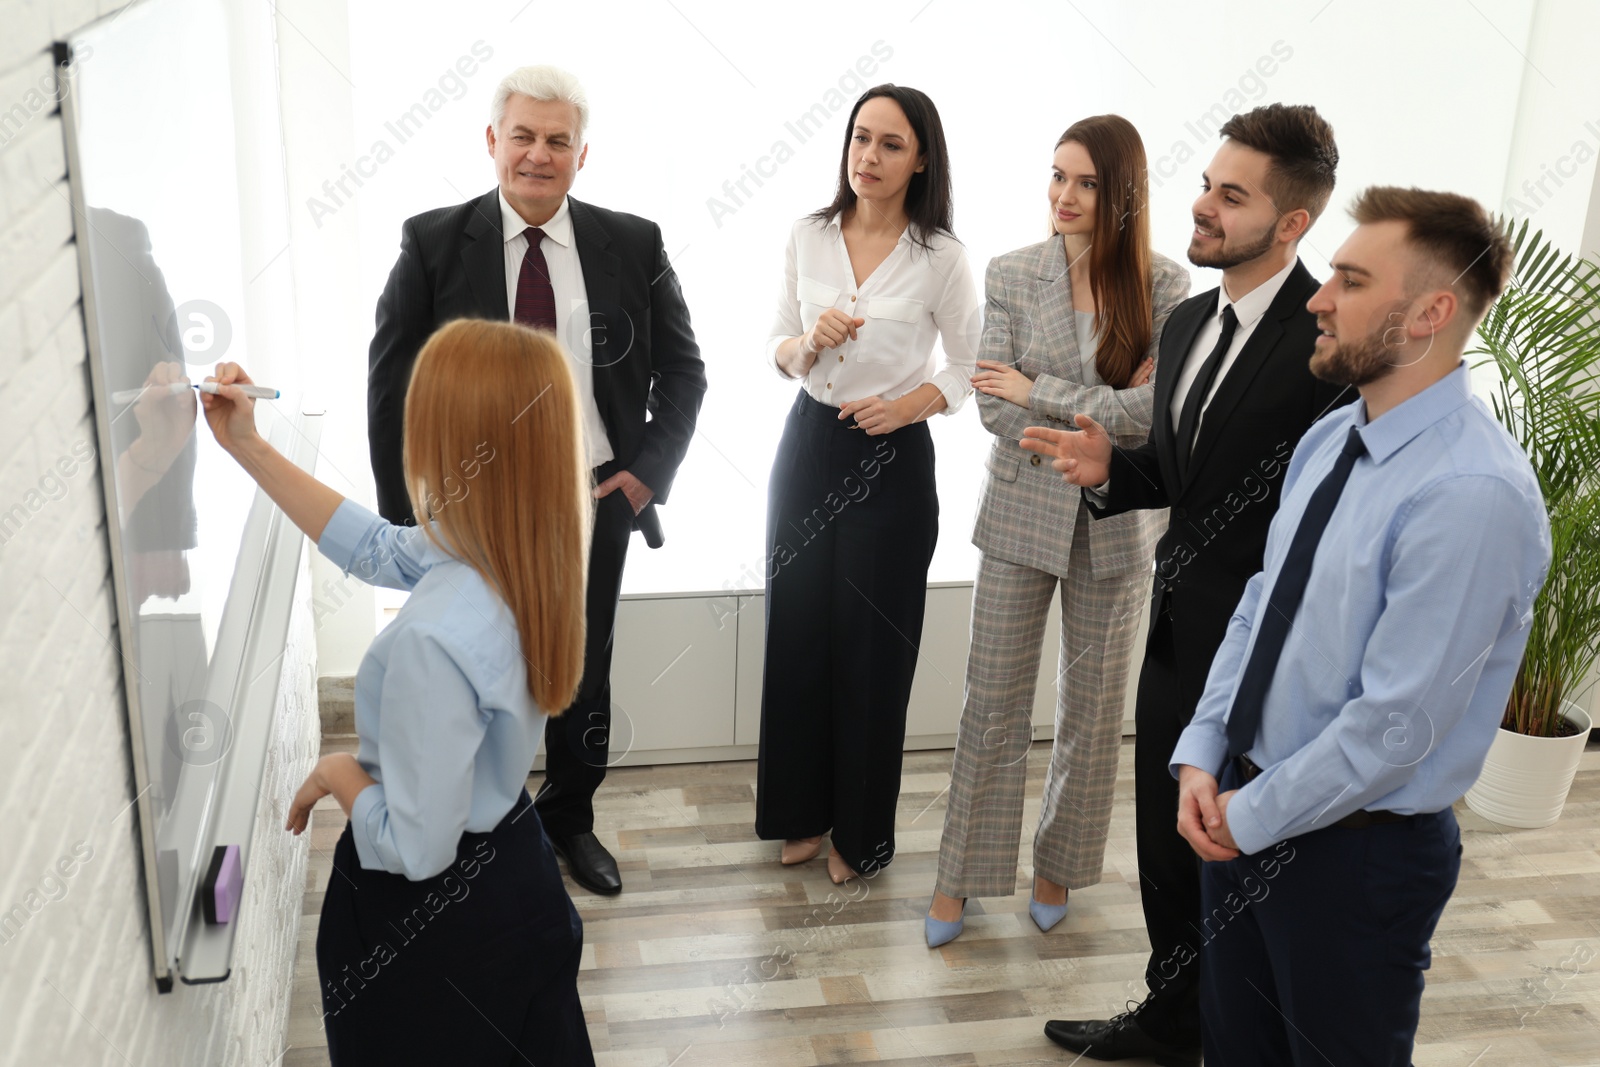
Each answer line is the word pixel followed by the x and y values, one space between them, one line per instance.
pixel 1395 674
pixel 447 725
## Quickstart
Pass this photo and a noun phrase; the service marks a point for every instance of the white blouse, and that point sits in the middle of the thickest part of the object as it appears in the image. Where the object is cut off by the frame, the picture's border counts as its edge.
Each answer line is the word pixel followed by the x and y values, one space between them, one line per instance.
pixel 1087 348
pixel 912 296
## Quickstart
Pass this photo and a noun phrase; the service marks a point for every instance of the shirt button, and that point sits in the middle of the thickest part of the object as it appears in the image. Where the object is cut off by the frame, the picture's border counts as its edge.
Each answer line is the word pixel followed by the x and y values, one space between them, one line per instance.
pixel 1034 459
pixel 830 385
pixel 841 359
pixel 852 298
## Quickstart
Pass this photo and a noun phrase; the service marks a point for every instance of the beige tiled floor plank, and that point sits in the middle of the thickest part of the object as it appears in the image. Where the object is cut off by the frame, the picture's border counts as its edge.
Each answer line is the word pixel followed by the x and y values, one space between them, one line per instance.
pixel 715 954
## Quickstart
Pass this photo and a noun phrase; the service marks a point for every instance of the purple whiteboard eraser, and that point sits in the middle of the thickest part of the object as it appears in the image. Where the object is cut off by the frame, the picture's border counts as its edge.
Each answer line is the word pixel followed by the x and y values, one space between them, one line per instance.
pixel 223 885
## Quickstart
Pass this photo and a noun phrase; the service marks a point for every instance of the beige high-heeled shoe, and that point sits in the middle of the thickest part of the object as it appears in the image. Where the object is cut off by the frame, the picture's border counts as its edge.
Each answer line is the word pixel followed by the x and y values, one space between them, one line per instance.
pixel 800 850
pixel 840 871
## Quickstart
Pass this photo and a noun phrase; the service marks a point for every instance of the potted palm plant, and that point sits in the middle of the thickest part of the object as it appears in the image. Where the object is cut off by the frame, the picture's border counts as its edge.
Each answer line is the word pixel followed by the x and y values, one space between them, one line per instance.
pixel 1543 336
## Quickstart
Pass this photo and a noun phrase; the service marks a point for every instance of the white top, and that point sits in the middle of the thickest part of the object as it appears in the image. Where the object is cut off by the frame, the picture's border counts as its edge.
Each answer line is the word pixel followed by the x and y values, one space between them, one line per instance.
pixel 572 309
pixel 914 295
pixel 1248 309
pixel 1087 347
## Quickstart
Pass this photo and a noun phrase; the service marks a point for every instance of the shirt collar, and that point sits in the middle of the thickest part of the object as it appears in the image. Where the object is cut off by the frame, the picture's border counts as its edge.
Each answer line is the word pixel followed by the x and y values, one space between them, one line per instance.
pixel 1249 308
pixel 837 223
pixel 1398 426
pixel 558 229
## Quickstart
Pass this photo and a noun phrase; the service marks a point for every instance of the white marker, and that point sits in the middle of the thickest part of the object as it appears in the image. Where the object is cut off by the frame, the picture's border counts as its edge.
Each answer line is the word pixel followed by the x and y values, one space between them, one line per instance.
pixel 130 396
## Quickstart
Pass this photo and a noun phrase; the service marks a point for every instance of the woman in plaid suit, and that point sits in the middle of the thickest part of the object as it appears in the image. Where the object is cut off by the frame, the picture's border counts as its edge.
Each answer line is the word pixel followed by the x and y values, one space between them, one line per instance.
pixel 1071 326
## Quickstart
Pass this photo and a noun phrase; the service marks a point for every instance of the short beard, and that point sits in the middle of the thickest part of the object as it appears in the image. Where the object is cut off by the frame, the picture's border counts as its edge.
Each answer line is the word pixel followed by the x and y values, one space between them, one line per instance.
pixel 1224 257
pixel 1357 363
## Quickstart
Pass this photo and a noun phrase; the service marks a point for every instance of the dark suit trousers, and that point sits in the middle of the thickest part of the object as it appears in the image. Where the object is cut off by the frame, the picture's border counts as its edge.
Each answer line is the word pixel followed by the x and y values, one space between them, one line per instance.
pixel 1169 871
pixel 1315 949
pixel 577 744
pixel 851 525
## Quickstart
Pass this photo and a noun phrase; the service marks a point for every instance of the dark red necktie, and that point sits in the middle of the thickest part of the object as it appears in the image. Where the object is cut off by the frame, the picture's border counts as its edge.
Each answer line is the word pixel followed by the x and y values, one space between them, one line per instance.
pixel 536 300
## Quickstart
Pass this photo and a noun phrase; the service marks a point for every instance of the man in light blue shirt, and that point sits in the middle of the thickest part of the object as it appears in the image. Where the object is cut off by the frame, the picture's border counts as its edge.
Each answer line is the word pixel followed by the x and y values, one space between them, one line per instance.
pixel 1368 665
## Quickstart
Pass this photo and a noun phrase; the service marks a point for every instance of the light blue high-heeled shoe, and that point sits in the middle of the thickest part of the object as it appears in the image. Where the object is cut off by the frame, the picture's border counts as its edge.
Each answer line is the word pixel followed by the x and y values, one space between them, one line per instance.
pixel 1046 916
pixel 940 932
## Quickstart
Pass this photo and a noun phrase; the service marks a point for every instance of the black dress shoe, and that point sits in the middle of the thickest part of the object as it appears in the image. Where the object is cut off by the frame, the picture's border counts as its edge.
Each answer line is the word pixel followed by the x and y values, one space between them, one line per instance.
pixel 1119 1038
pixel 590 865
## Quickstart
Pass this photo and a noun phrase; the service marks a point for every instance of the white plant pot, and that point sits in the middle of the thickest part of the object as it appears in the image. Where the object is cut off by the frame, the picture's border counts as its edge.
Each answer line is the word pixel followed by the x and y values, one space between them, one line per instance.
pixel 1525 779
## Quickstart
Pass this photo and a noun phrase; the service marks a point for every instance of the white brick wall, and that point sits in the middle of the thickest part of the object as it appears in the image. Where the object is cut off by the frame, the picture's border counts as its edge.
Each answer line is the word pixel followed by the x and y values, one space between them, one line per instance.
pixel 75 985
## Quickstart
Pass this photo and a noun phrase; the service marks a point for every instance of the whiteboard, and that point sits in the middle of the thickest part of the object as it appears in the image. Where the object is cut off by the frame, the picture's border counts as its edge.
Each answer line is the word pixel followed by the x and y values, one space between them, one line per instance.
pixel 177 184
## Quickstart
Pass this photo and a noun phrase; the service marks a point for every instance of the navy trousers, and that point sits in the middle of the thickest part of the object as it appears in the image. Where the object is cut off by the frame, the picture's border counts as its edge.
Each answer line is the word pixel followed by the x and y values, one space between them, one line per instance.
pixel 1314 951
pixel 478 964
pixel 851 525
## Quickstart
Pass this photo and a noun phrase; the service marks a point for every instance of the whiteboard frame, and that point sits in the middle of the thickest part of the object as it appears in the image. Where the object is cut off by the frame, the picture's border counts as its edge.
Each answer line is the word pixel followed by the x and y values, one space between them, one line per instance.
pixel 100 402
pixel 251 636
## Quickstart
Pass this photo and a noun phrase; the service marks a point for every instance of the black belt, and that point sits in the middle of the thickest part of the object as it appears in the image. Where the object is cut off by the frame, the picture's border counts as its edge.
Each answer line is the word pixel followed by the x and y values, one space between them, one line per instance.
pixel 1356 820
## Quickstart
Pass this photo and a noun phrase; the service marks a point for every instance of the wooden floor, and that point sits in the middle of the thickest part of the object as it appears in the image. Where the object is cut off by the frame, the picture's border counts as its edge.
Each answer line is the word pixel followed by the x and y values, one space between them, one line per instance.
pixel 706 957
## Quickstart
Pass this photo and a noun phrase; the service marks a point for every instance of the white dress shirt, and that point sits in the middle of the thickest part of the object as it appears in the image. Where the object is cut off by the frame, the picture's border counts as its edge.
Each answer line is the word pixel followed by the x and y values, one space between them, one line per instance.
pixel 572 309
pixel 914 295
pixel 1248 309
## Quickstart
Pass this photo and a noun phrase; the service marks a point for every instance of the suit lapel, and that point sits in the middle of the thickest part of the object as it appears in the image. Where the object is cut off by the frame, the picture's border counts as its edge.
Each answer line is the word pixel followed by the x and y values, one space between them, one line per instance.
pixel 610 328
pixel 1177 342
pixel 1255 354
pixel 1055 349
pixel 483 259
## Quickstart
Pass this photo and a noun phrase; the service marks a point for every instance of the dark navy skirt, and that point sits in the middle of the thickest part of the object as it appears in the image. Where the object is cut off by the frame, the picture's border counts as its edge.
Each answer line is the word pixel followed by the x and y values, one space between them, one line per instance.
pixel 476 965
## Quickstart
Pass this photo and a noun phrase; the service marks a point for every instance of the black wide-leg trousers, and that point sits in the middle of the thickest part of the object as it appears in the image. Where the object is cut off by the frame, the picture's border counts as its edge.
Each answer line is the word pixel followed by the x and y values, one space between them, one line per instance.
pixel 852 521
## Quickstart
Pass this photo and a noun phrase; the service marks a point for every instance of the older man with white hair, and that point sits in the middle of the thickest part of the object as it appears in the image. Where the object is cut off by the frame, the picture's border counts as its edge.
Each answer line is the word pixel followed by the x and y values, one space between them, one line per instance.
pixel 600 280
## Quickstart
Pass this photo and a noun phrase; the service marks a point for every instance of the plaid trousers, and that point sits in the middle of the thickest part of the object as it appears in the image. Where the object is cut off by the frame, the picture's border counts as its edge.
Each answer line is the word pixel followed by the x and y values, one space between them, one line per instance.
pixel 983 820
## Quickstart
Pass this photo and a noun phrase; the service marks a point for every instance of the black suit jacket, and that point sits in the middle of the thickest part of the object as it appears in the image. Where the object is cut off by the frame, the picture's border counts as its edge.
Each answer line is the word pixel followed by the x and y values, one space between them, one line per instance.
pixel 648 375
pixel 1217 535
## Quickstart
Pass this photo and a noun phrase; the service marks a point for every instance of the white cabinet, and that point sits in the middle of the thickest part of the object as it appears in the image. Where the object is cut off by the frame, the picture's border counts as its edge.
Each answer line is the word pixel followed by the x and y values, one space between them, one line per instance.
pixel 686 675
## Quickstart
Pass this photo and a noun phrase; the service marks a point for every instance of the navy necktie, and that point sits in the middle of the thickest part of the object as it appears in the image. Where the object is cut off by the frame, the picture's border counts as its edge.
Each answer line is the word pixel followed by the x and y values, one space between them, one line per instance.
pixel 536 299
pixel 1244 719
pixel 1189 415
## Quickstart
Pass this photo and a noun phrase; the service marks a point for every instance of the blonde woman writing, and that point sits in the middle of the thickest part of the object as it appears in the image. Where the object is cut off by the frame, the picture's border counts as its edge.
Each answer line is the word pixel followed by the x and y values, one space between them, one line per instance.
pixel 446 932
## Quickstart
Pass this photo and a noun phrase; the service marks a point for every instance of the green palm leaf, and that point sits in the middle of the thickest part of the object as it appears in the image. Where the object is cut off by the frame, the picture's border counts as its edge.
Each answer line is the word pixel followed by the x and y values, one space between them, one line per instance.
pixel 1543 335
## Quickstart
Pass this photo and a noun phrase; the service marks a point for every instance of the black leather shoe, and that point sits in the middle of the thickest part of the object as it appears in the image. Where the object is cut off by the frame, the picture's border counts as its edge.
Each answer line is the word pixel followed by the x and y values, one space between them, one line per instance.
pixel 1119 1038
pixel 590 865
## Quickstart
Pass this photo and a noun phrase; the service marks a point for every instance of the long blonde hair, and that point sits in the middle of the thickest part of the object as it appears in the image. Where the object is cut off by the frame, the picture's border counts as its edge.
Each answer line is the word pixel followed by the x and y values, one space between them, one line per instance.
pixel 494 467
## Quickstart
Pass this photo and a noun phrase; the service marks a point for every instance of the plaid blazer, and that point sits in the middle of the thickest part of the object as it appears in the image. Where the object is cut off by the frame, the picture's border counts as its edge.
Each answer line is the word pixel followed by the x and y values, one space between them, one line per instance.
pixel 1026 511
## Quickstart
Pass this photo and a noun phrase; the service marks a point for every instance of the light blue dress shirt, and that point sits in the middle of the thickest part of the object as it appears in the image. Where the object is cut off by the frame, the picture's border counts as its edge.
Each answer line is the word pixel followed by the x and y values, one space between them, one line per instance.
pixel 446 723
pixel 1395 674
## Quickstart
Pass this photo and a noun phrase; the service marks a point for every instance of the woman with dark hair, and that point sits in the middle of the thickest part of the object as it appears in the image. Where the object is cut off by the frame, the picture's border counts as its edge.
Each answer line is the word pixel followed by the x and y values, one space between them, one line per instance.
pixel 852 512
pixel 1071 327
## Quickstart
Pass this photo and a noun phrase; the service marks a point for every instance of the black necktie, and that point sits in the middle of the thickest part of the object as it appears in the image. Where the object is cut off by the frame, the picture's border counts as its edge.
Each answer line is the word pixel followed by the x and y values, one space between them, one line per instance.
pixel 1245 717
pixel 1189 417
